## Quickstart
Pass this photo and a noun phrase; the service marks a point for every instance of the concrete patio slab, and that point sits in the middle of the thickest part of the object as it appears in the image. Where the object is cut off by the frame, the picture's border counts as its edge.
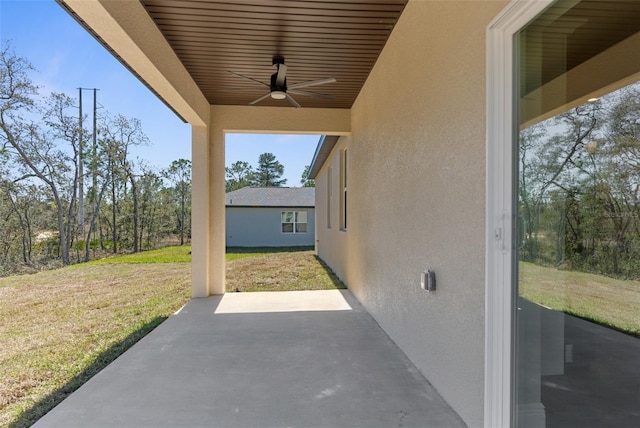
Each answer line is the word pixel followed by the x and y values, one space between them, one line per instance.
pixel 288 359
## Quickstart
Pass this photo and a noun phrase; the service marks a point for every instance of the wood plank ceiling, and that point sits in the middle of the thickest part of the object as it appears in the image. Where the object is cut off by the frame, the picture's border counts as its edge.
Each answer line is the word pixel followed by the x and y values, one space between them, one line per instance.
pixel 318 39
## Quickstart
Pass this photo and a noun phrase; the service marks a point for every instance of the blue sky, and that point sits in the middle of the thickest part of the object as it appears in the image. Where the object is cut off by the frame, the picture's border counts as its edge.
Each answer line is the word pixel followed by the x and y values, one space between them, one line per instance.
pixel 66 57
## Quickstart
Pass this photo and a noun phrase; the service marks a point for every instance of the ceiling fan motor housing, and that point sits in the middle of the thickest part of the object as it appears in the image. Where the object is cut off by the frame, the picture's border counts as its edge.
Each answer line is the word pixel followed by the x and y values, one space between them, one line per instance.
pixel 274 83
pixel 277 61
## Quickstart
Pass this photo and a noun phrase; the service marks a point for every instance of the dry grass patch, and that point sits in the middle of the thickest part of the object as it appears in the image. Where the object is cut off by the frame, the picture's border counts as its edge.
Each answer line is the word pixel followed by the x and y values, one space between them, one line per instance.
pixel 611 302
pixel 282 271
pixel 61 327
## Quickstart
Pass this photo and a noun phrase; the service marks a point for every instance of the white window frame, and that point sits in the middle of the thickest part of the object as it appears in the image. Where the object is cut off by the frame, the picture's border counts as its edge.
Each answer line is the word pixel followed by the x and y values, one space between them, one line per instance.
pixel 295 222
pixel 501 104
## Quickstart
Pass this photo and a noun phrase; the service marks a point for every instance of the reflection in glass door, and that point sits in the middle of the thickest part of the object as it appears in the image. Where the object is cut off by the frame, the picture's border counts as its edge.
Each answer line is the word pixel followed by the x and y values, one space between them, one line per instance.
pixel 577 310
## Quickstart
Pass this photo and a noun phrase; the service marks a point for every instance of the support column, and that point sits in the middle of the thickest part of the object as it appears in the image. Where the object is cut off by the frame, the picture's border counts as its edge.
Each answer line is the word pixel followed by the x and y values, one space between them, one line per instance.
pixel 217 263
pixel 200 215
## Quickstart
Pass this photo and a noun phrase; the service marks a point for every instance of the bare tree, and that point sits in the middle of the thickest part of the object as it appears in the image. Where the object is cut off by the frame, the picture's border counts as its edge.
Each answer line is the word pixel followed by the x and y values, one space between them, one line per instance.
pixel 36 150
pixel 22 202
pixel 547 163
pixel 121 134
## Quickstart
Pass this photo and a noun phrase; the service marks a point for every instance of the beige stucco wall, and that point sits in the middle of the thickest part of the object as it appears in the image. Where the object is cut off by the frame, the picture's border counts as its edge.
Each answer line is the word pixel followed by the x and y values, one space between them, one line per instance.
pixel 417 194
pixel 332 243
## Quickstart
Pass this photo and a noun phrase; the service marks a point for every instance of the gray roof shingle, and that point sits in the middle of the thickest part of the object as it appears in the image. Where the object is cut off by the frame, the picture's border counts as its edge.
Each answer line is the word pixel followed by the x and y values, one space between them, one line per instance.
pixel 271 197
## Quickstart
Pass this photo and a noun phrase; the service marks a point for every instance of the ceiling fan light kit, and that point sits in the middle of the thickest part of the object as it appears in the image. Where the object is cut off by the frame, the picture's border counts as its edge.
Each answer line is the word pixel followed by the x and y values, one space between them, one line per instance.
pixel 278 95
pixel 278 85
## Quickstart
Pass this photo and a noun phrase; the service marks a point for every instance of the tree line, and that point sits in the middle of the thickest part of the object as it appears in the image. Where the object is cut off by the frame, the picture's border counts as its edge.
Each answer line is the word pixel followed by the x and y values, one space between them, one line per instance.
pixel 68 194
pixel 268 174
pixel 579 187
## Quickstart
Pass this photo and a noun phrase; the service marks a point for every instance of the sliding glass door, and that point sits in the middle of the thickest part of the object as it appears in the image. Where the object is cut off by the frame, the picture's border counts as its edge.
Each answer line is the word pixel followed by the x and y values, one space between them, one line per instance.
pixel 577 233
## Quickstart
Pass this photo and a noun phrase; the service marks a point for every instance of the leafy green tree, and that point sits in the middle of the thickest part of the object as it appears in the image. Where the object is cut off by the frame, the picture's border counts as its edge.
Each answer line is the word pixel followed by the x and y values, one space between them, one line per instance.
pixel 152 208
pixel 305 180
pixel 269 172
pixel 179 175
pixel 238 175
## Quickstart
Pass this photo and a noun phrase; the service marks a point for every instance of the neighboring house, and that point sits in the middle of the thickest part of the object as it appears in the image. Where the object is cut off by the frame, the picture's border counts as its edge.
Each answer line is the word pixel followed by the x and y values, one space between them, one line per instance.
pixel 423 124
pixel 270 217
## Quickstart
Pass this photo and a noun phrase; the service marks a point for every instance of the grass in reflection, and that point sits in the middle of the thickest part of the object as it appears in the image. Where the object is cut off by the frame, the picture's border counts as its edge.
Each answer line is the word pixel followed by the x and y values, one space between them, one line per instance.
pixel 607 301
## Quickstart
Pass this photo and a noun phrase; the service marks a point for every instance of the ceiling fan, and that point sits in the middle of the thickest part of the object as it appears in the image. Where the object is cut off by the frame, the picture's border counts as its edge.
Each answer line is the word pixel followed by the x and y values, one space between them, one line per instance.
pixel 279 90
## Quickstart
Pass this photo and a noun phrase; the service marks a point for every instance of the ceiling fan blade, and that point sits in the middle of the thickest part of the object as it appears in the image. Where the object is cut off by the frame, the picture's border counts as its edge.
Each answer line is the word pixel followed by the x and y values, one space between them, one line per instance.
pixel 249 78
pixel 292 101
pixel 267 95
pixel 312 83
pixel 282 74
pixel 312 94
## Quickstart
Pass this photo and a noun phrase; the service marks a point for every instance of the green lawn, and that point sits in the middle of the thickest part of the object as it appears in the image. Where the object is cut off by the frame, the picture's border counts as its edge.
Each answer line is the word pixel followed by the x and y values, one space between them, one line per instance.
pixel 235 253
pixel 183 254
pixel 280 271
pixel 180 254
pixel 61 327
pixel 607 301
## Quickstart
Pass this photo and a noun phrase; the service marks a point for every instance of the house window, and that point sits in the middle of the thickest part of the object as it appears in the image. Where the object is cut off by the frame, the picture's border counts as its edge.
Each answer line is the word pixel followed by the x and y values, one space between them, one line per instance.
pixel 343 190
pixel 294 222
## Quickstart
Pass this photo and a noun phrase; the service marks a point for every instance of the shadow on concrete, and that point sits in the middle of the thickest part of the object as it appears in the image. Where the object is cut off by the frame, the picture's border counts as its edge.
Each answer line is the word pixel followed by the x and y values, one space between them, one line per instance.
pixel 39 409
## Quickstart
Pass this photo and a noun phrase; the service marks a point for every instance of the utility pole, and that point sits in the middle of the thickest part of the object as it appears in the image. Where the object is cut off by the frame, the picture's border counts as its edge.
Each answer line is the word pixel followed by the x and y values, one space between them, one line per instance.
pixel 94 175
pixel 94 153
pixel 94 161
pixel 80 167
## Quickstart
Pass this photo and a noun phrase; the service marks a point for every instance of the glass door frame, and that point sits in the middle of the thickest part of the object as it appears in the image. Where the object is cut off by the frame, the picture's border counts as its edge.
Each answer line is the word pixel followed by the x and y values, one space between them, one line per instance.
pixel 500 209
